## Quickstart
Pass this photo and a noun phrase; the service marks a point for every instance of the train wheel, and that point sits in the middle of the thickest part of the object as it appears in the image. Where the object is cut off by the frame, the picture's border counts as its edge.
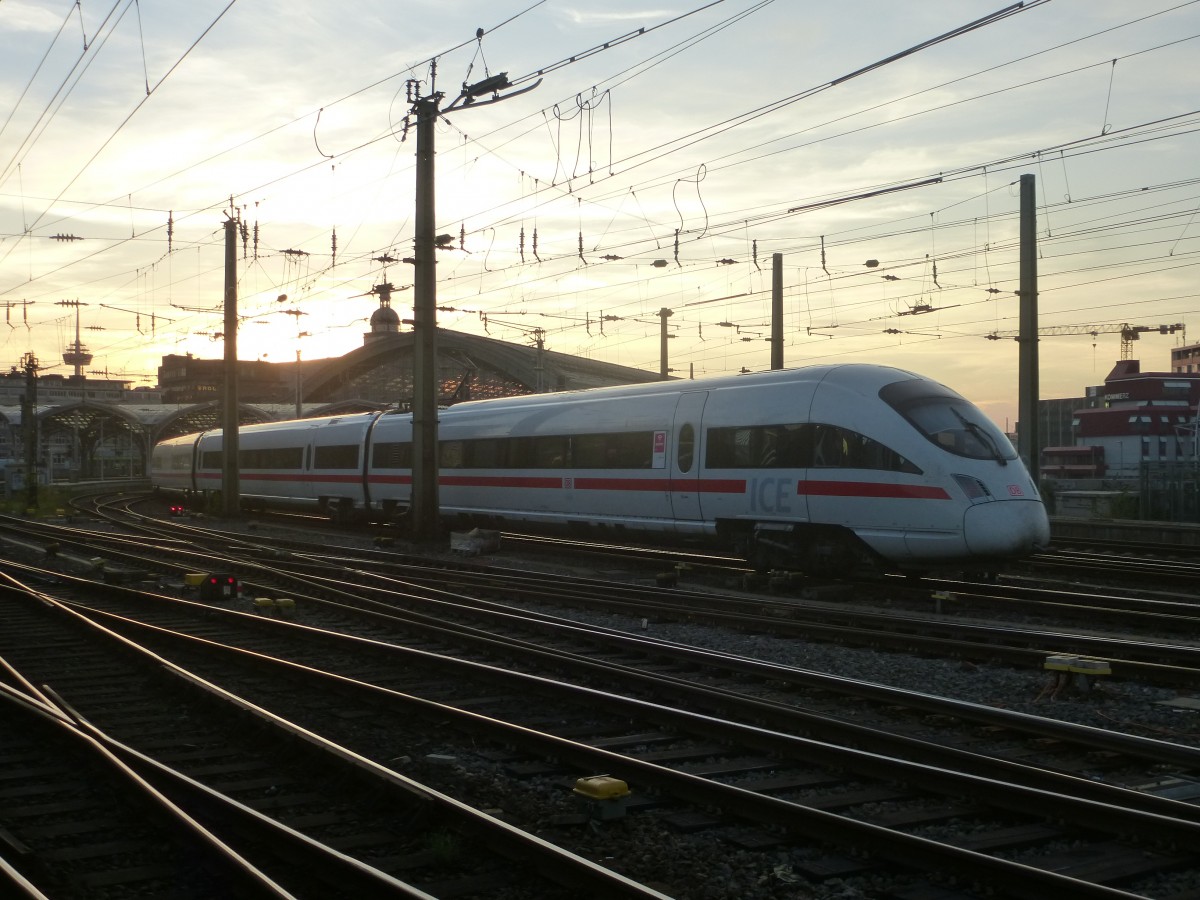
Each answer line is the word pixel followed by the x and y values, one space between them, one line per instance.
pixel 760 558
pixel 342 513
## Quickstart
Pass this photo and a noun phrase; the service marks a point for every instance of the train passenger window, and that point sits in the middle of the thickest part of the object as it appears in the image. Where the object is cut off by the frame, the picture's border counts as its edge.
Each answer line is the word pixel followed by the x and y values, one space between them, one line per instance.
pixel 545 452
pixel 687 448
pixel 768 449
pixel 782 446
pixel 271 457
pixel 211 459
pixel 755 447
pixel 800 446
pixel 831 448
pixel 835 447
pixel 588 451
pixel 629 450
pixel 391 455
pixel 727 448
pixel 336 456
pixel 520 452
pixel 625 450
pixel 880 456
pixel 450 454
pixel 484 453
pixel 551 452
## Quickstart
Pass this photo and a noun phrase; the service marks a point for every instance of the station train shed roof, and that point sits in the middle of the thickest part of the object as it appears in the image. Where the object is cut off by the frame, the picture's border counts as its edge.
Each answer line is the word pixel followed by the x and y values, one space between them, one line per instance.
pixel 375 376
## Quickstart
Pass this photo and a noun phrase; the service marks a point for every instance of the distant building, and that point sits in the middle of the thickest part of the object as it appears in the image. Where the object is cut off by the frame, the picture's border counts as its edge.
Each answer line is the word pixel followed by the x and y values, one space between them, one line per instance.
pixel 379 374
pixel 56 389
pixel 87 426
pixel 100 428
pixel 1186 359
pixel 1067 462
pixel 1146 418
pixel 1057 418
pixel 1140 418
pixel 186 379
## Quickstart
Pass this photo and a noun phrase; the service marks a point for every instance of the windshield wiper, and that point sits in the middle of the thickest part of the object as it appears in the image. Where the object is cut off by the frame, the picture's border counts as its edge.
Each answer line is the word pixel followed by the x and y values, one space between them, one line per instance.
pixel 981 434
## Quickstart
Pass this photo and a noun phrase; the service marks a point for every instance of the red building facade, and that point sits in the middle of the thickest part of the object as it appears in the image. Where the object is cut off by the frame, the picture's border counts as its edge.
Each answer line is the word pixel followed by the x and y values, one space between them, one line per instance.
pixel 1145 417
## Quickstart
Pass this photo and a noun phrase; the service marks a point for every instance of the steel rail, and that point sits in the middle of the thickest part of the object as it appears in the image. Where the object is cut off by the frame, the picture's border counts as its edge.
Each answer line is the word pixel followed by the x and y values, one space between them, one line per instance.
pixel 16 885
pixel 1018 879
pixel 1154 661
pixel 548 859
pixel 244 877
pixel 1159 751
pixel 334 867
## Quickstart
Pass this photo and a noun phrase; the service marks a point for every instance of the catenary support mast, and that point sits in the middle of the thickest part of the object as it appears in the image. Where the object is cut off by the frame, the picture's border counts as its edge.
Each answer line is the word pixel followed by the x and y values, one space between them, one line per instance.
pixel 1027 401
pixel 425 524
pixel 776 310
pixel 424 513
pixel 231 501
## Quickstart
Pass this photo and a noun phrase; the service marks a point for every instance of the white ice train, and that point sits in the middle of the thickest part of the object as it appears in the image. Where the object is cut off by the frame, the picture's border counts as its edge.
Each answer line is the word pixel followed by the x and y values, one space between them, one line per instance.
pixel 813 467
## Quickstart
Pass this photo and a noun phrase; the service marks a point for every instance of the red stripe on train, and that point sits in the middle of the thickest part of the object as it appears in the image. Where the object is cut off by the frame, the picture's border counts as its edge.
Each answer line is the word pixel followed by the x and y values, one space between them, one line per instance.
pixel 692 485
pixel 286 476
pixel 501 481
pixel 651 485
pixel 871 489
pixel 881 490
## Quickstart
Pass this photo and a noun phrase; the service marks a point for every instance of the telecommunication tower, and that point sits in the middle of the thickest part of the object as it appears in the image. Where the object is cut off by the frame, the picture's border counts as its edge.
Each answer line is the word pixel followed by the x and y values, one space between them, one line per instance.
pixel 76 354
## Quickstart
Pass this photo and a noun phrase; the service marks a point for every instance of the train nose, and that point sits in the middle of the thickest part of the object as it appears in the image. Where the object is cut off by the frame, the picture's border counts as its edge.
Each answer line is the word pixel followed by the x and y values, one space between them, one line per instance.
pixel 1006 528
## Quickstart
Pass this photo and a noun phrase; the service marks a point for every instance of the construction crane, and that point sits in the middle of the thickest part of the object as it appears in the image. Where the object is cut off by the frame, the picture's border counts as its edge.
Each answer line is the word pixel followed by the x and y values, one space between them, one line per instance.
pixel 1129 333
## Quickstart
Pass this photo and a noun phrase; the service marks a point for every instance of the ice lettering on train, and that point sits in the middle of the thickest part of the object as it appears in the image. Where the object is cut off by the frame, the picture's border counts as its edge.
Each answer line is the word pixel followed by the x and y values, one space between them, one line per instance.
pixel 769 495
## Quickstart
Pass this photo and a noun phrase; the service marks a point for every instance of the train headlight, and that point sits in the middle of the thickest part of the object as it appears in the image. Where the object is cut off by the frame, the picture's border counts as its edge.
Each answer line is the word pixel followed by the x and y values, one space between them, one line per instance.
pixel 975 489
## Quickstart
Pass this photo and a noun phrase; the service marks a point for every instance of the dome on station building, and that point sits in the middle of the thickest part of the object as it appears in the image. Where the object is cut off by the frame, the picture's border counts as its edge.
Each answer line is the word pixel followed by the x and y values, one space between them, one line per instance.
pixel 384 321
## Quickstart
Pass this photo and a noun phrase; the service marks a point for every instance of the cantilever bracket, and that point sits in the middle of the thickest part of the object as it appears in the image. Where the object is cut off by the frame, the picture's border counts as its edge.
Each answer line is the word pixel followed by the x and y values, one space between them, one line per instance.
pixel 465 100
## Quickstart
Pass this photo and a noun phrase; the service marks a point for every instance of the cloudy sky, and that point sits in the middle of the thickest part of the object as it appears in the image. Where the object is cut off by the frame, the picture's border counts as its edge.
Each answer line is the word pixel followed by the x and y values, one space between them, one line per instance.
pixel 666 154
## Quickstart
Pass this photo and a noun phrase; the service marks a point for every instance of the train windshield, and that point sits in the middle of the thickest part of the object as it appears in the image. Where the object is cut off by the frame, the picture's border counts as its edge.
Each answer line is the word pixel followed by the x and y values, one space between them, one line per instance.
pixel 948 420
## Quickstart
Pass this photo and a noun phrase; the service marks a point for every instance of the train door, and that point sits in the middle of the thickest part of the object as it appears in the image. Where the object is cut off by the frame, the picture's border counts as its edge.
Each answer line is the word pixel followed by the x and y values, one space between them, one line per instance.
pixel 684 455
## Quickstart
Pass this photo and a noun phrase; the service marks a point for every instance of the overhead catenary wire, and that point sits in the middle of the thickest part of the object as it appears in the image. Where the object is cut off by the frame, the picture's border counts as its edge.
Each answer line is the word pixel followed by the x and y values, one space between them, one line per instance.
pixel 741 225
pixel 263 185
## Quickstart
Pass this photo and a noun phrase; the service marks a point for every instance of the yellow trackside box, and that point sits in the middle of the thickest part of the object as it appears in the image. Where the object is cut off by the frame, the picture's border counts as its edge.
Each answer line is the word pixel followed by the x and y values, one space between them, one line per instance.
pixel 1085 666
pixel 1060 663
pixel 601 787
pixel 603 796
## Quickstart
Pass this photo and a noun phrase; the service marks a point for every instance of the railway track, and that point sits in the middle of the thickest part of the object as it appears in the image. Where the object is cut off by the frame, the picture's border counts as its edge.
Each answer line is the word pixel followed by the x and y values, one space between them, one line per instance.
pixel 1122 564
pixel 936 623
pixel 79 821
pixel 299 567
pixel 431 583
pixel 938 631
pixel 278 791
pixel 744 768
